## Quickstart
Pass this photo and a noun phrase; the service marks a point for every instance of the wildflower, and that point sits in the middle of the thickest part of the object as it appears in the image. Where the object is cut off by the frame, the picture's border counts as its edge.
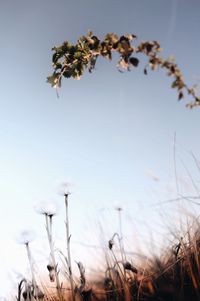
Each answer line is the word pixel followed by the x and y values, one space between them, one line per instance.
pixel 118 208
pixel 26 236
pixel 47 208
pixel 128 266
pixel 110 244
pixel 65 188
pixel 52 272
pixel 111 241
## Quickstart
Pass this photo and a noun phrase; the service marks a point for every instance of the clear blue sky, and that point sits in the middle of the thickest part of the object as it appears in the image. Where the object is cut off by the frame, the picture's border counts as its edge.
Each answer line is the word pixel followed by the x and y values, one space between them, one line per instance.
pixel 109 132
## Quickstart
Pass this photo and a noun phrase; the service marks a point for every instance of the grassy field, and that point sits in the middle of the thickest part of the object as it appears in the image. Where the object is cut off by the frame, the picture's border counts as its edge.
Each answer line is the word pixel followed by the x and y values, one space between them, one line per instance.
pixel 173 275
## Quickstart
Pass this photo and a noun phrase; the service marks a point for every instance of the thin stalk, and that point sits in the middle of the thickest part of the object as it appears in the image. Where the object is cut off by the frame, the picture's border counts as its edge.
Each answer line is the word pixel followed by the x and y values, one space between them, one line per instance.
pixel 116 262
pixel 120 237
pixel 31 264
pixel 121 245
pixel 34 286
pixel 20 289
pixel 48 219
pixel 68 249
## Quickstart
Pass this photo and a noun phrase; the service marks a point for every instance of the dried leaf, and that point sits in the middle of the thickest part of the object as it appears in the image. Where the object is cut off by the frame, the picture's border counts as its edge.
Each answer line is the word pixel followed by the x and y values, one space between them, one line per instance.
pixel 134 61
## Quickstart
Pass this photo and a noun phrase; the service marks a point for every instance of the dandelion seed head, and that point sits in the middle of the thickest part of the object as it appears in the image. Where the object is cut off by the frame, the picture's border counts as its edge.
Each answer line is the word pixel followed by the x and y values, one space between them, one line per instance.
pixel 26 236
pixel 118 208
pixel 46 208
pixel 152 175
pixel 65 188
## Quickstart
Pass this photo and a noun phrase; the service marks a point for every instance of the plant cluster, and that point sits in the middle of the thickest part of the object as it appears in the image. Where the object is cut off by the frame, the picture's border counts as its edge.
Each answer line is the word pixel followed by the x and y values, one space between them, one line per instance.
pixel 70 61
pixel 174 276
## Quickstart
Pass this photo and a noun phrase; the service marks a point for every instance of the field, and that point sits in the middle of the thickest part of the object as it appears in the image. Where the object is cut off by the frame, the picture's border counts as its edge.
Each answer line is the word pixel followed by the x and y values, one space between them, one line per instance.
pixel 174 274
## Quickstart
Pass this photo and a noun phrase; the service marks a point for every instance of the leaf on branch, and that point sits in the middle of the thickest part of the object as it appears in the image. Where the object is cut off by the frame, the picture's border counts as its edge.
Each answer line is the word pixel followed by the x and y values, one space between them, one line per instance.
pixel 123 64
pixel 54 80
pixel 180 95
pixel 134 61
pixel 174 84
pixel 145 71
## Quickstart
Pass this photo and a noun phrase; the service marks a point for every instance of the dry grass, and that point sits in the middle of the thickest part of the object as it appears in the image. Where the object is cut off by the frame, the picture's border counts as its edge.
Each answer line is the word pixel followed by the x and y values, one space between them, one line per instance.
pixel 173 275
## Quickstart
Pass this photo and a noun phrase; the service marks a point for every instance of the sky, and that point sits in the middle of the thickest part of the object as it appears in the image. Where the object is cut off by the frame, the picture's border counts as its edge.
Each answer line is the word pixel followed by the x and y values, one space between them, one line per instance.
pixel 110 134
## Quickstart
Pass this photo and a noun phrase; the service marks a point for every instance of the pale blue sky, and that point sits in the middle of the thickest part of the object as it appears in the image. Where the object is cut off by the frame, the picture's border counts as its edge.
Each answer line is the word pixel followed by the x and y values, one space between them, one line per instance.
pixel 107 132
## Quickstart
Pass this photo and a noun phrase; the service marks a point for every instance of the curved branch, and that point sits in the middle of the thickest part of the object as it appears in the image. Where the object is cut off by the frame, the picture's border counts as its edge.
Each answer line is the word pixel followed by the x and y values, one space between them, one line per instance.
pixel 72 60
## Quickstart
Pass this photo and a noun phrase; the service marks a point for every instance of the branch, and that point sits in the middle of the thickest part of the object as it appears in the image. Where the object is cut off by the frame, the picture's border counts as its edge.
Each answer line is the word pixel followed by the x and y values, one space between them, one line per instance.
pixel 72 60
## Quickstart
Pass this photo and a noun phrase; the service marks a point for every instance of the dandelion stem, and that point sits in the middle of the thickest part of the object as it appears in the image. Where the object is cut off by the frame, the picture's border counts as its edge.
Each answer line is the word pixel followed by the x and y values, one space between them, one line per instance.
pixel 48 219
pixel 31 263
pixel 121 245
pixel 68 249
